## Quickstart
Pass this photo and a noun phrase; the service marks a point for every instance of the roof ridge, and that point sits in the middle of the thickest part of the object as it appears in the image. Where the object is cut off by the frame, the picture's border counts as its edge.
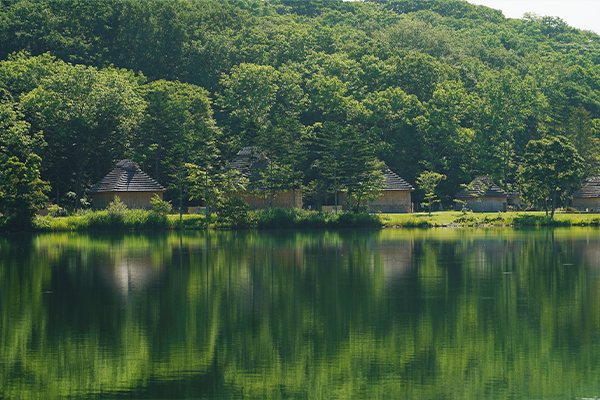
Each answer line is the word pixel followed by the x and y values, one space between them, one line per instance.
pixel 127 177
pixel 493 190
pixel 590 189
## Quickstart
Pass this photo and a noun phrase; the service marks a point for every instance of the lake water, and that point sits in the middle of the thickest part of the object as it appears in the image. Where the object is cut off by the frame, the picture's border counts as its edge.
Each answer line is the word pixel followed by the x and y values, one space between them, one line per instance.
pixel 396 313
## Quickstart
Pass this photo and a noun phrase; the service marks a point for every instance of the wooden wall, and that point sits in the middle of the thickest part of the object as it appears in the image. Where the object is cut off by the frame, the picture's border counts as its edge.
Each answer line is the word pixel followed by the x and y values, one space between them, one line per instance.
pixel 131 199
pixel 583 203
pixel 261 201
pixel 390 201
pixel 393 201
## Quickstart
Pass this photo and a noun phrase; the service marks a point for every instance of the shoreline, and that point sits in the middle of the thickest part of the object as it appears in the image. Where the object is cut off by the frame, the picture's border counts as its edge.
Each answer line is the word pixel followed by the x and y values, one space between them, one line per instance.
pixel 139 220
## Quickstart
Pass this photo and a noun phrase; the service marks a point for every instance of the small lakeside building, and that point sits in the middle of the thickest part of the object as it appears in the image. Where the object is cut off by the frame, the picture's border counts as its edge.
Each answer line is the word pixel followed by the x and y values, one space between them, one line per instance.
pixel 493 200
pixel 250 162
pixel 588 196
pixel 130 184
pixel 395 195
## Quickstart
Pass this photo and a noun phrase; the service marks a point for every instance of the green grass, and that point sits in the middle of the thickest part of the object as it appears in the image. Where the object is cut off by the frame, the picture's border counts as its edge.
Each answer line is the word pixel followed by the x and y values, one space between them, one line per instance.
pixel 128 220
pixel 457 218
pixel 264 219
pixel 294 218
pixel 300 219
pixel 442 218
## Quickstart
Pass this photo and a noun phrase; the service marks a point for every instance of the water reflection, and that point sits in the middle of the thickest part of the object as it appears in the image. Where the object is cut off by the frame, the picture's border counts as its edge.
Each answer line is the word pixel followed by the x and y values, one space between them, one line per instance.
pixel 438 313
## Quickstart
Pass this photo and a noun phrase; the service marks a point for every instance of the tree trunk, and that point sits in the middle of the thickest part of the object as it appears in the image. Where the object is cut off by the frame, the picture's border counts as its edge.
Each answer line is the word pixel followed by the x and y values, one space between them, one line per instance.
pixel 57 190
pixel 350 201
pixel 293 185
pixel 180 203
pixel 206 198
pixel 271 183
pixel 335 190
pixel 77 192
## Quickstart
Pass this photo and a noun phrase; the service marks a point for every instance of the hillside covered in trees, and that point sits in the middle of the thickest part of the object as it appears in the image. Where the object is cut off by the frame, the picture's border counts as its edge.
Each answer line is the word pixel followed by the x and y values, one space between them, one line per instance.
pixel 322 86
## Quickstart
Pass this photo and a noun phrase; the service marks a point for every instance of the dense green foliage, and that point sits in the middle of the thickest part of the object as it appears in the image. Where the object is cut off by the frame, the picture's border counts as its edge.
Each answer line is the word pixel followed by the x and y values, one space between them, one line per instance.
pixel 427 85
pixel 22 192
pixel 549 165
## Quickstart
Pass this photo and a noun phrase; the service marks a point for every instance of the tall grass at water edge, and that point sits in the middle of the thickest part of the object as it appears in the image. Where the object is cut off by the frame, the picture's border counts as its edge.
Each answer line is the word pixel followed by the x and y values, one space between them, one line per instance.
pixel 297 218
pixel 131 219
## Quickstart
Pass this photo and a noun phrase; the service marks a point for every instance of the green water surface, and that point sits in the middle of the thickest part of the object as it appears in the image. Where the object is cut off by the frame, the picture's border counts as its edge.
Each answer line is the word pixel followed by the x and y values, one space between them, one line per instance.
pixel 387 314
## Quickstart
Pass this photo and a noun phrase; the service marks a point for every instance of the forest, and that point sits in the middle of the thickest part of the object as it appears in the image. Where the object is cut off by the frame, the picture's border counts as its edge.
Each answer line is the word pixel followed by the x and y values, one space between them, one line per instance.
pixel 326 88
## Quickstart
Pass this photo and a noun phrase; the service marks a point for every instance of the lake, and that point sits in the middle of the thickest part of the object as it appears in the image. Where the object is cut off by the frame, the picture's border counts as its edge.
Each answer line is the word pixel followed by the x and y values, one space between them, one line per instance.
pixel 488 313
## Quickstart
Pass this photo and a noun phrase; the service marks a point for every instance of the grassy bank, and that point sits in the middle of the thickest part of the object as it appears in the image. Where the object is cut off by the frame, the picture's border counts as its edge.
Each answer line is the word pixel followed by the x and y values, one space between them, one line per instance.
pixel 263 219
pixel 456 218
pixel 285 218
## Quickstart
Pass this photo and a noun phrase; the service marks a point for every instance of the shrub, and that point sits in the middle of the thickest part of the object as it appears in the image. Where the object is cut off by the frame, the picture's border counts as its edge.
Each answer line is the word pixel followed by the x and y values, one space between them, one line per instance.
pixel 538 220
pixel 346 219
pixel 56 211
pixel 310 219
pixel 160 207
pixel 487 219
pixel 276 218
pixel 233 211
pixel 116 213
pixel 466 219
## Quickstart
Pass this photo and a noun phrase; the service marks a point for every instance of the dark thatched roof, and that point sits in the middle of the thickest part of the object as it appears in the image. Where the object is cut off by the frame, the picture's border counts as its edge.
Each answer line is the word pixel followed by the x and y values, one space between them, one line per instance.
pixel 476 188
pixel 590 189
pixel 393 181
pixel 127 177
pixel 514 195
pixel 249 161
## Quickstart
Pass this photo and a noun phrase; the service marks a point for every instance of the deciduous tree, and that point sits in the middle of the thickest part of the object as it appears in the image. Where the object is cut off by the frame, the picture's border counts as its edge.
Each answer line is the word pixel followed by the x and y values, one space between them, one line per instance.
pixel 550 164
pixel 428 182
pixel 22 191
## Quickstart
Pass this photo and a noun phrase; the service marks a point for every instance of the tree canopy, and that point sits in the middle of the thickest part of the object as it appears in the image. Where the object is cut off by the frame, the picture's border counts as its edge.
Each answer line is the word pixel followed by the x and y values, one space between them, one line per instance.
pixel 435 85
pixel 550 164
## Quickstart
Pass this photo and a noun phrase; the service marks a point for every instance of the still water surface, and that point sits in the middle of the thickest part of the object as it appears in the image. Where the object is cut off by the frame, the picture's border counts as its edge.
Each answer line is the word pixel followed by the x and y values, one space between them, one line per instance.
pixel 411 314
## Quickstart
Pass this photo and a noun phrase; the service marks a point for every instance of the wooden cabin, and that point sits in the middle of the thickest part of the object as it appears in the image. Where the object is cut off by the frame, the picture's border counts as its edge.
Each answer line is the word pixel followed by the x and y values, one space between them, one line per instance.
pixel 250 162
pixel 130 184
pixel 493 200
pixel 395 195
pixel 514 199
pixel 588 197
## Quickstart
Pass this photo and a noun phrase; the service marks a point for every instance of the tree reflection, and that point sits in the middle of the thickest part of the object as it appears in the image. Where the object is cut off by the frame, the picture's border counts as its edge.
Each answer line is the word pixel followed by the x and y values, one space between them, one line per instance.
pixel 486 313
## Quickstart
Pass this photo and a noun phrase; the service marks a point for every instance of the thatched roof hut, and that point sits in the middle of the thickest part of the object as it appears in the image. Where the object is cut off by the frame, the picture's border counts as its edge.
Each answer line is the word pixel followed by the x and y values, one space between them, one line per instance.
pixel 250 162
pixel 129 183
pixel 588 197
pixel 514 199
pixel 483 195
pixel 395 196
